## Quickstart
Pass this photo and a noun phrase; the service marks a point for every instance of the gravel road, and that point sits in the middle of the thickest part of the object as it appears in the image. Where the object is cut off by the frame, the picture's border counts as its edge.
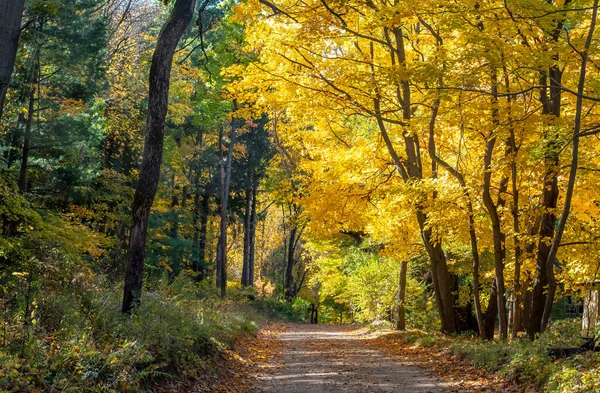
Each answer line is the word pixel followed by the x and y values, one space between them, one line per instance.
pixel 336 359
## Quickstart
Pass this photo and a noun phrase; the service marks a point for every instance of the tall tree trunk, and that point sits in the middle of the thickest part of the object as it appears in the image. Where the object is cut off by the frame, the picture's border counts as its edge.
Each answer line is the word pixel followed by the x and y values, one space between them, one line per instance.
pixel 176 210
pixel 219 257
pixel 550 98
pixel 517 299
pixel 203 234
pixel 572 174
pixel 473 240
pixel 251 262
pixel 511 156
pixel 289 265
pixel 491 313
pixel 158 103
pixel 475 268
pixel 442 282
pixel 14 143
pixel 26 144
pixel 410 169
pixel 527 299
pixel 551 106
pixel 225 182
pixel 401 322
pixel 499 238
pixel 247 235
pixel 200 223
pixel 196 226
pixel 11 14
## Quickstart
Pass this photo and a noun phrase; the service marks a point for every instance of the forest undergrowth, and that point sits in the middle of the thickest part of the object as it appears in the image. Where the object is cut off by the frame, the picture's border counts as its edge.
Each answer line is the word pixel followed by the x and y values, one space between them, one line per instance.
pixel 181 336
pixel 475 365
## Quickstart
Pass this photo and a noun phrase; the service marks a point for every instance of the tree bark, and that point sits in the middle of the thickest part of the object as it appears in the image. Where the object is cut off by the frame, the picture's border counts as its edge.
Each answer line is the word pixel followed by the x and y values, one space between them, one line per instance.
pixel 178 263
pixel 411 169
pixel 572 175
pixel 248 233
pixel 203 233
pixel 289 266
pixel 158 103
pixel 491 313
pixel 499 238
pixel 201 211
pixel 473 240
pixel 225 182
pixel 11 14
pixel 550 98
pixel 251 262
pixel 13 141
pixel 549 203
pixel 26 144
pixel 401 322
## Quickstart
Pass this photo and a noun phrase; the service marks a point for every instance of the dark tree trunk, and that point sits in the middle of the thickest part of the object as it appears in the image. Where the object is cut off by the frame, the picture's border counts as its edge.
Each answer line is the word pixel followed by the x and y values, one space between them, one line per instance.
pixel 549 203
pixel 120 245
pixel 248 233
pixel 201 212
pixel 410 169
pixel 251 262
pixel 313 310
pixel 572 174
pixel 517 301
pixel 26 144
pixel 289 265
pixel 222 214
pixel 11 14
pixel 511 156
pixel 473 240
pixel 442 282
pixel 499 238
pixel 527 300
pixel 14 143
pixel 203 233
pixel 491 313
pixel 550 98
pixel 176 210
pixel 175 222
pixel 158 103
pixel 401 323
pixel 225 182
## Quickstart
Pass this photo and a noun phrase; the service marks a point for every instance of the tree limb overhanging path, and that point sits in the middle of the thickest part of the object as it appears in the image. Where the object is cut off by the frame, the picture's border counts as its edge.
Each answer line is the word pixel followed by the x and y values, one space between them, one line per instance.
pixel 336 359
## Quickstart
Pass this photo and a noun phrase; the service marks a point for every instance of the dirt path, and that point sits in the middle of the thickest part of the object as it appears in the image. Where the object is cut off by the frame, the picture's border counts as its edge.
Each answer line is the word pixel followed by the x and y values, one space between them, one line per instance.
pixel 335 359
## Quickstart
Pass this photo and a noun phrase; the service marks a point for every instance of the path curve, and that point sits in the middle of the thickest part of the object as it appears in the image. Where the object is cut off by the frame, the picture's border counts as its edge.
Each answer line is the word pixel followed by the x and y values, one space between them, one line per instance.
pixel 337 359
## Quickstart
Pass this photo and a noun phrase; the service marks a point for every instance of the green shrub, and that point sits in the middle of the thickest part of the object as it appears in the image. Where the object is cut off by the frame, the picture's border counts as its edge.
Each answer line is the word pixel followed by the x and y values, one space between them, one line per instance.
pixel 489 356
pixel 426 341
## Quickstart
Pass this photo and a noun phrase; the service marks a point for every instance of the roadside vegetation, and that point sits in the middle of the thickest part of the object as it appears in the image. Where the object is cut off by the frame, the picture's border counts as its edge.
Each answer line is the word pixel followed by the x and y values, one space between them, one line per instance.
pixel 76 339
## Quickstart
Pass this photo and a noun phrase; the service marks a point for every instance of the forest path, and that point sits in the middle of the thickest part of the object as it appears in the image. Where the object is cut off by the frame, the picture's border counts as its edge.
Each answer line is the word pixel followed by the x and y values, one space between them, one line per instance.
pixel 336 359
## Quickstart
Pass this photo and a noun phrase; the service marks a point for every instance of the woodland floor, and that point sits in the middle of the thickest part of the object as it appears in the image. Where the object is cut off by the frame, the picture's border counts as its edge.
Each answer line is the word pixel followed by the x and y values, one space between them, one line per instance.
pixel 302 358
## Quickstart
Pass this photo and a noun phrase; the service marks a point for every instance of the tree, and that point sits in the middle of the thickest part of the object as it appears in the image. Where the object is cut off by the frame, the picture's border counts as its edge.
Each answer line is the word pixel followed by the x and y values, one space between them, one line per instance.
pixel 158 102
pixel 225 165
pixel 424 82
pixel 11 13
